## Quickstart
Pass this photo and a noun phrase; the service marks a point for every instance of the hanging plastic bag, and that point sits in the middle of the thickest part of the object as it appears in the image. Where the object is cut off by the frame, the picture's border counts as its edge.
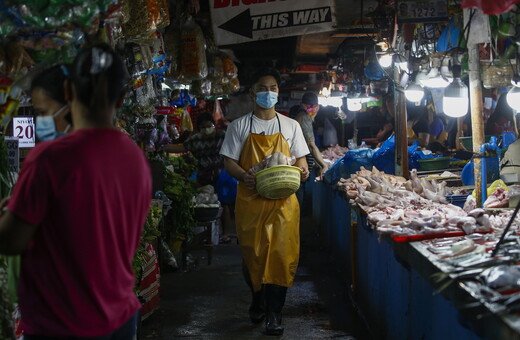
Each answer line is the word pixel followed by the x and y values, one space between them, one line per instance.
pixel 449 37
pixel 186 123
pixel 226 188
pixel 193 51
pixel 218 117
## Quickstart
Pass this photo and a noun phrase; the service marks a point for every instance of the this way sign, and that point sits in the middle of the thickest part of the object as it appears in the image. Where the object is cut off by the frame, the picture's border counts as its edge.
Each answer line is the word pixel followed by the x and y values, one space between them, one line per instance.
pixel 236 21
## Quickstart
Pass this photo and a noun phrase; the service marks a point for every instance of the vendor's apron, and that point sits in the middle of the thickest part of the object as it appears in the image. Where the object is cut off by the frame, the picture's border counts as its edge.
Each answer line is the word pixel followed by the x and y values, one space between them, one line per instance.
pixel 267 230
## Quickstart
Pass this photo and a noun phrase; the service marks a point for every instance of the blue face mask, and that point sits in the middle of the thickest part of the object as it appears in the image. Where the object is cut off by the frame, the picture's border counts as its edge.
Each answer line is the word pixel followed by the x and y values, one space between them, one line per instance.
pixel 45 127
pixel 266 99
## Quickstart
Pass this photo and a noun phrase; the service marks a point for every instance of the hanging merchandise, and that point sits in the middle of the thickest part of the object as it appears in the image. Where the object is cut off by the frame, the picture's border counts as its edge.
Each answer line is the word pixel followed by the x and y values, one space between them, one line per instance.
pixel 216 67
pixel 146 16
pixel 201 88
pixel 24 15
pixel 193 54
pixel 449 37
pixel 230 69
pixel 218 116
pixel 186 123
pixel 232 86
pixel 490 7
pixel 172 39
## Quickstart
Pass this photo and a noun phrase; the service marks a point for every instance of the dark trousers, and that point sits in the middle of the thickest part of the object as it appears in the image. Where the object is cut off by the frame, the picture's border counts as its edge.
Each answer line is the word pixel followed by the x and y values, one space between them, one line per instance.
pixel 125 332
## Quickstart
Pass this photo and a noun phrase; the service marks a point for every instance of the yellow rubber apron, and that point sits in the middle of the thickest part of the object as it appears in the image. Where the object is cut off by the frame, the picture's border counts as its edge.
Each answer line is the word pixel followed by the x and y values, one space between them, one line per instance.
pixel 267 230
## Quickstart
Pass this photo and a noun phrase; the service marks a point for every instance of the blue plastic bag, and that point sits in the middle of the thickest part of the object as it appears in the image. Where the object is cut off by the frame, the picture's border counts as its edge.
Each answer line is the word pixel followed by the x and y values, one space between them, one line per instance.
pixel 226 188
pixel 384 158
pixel 351 162
pixel 449 38
pixel 492 165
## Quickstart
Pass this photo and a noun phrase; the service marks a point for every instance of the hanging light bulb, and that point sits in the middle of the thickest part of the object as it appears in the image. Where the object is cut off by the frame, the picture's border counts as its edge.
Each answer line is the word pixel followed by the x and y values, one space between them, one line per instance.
pixel 456 96
pixel 421 76
pixel 414 92
pixel 435 80
pixel 325 92
pixel 402 63
pixel 385 60
pixel 354 104
pixel 513 96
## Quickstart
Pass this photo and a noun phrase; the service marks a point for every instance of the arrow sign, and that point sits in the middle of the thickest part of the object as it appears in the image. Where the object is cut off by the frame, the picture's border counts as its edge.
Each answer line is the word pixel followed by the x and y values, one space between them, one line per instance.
pixel 245 24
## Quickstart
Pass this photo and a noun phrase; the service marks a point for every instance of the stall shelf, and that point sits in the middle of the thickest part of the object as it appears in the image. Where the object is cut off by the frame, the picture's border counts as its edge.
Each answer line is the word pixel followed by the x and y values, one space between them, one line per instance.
pixel 392 282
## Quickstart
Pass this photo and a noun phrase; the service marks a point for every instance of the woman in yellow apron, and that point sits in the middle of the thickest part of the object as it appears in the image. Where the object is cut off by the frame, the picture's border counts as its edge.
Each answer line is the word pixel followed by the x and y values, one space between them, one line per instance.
pixel 267 230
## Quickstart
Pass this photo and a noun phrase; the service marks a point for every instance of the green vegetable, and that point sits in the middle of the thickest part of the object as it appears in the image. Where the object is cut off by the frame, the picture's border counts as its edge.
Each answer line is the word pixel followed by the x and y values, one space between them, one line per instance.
pixel 150 233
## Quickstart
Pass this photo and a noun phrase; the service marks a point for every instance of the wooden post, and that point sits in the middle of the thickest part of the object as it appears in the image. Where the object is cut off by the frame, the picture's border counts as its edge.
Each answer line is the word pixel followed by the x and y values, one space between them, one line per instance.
pixel 401 139
pixel 477 121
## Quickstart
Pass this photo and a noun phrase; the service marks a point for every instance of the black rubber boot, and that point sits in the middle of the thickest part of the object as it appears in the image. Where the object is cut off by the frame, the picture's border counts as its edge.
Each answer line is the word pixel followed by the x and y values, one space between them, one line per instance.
pixel 274 300
pixel 257 308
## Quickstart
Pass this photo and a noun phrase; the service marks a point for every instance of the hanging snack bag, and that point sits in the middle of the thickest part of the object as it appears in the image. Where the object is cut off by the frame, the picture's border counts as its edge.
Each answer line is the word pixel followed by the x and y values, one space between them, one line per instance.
pixel 215 67
pixel 172 39
pixel 230 69
pixel 193 54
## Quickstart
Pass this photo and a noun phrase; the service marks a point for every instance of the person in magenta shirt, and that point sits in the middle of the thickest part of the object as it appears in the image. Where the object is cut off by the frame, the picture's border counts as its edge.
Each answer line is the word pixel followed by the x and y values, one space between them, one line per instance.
pixel 77 213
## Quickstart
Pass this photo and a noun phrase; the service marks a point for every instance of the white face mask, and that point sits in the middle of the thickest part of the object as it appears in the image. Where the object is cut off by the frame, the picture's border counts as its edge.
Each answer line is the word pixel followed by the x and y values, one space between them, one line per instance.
pixel 208 130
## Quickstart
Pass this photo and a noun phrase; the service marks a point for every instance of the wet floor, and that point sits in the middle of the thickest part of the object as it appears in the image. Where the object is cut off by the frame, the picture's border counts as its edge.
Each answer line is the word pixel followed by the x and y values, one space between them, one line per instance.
pixel 211 302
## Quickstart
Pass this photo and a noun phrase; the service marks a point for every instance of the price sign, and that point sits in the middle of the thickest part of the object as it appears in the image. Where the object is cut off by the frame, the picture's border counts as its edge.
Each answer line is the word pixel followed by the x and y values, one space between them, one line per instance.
pixel 23 129
pixel 13 156
pixel 414 11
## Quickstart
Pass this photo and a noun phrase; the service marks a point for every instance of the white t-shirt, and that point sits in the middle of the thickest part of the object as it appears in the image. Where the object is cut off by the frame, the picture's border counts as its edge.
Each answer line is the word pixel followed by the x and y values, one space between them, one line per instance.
pixel 238 131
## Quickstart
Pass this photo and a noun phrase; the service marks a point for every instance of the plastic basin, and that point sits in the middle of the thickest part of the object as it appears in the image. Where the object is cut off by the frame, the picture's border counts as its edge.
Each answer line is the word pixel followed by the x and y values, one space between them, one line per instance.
pixel 278 182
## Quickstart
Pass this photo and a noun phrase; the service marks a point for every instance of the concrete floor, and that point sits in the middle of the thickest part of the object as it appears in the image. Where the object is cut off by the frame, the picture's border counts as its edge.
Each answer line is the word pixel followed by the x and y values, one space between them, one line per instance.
pixel 211 302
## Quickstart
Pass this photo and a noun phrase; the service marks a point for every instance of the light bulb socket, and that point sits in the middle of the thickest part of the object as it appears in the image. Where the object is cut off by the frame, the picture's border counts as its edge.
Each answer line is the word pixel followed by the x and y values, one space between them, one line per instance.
pixel 457 89
pixel 456 70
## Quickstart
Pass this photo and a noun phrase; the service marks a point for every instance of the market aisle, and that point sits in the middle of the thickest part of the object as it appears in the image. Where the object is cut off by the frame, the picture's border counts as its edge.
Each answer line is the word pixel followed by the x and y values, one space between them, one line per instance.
pixel 211 302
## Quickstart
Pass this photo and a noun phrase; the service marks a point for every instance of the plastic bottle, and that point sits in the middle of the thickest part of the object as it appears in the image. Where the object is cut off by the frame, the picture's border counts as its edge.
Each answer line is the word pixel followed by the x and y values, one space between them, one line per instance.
pixel 363 145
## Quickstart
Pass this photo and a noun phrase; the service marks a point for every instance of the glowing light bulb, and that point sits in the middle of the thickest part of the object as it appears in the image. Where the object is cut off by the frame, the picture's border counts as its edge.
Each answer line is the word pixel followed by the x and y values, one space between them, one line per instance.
pixel 456 99
pixel 414 92
pixel 385 60
pixel 513 96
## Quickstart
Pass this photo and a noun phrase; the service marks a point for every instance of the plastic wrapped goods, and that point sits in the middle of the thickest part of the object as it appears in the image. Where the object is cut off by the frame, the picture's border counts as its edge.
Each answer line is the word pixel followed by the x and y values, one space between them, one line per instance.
pixel 193 54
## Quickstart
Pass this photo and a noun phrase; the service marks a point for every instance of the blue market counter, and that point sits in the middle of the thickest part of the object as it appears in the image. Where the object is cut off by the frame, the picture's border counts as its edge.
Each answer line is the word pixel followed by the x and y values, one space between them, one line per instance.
pixel 392 284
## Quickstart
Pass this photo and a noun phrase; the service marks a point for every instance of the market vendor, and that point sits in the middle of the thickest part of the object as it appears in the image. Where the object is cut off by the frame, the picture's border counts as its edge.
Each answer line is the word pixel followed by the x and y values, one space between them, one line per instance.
pixel 417 123
pixel 205 146
pixel 510 162
pixel 304 114
pixel 267 230
pixel 77 213
pixel 438 129
pixel 53 118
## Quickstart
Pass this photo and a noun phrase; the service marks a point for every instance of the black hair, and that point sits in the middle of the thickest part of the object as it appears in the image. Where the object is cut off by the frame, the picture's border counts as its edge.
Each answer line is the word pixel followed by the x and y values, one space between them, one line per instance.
pixel 436 147
pixel 51 81
pixel 99 76
pixel 266 71
pixel 204 117
pixel 310 98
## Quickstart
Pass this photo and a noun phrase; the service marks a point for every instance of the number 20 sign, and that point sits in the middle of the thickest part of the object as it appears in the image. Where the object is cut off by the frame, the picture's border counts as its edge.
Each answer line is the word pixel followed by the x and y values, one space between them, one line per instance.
pixel 23 128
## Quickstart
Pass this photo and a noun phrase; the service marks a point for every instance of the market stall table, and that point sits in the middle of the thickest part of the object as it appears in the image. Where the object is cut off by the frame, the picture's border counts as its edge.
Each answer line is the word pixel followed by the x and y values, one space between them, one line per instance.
pixel 392 281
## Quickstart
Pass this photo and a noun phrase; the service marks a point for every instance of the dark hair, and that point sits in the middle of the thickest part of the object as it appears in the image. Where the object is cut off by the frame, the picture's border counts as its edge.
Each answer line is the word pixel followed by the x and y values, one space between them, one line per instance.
pixel 51 81
pixel 295 110
pixel 437 147
pixel 99 76
pixel 310 98
pixel 204 117
pixel 266 71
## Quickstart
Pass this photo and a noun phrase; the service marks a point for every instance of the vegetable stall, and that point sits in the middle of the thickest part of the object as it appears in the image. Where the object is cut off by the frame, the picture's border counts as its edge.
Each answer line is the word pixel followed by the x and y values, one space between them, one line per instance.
pixel 176 71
